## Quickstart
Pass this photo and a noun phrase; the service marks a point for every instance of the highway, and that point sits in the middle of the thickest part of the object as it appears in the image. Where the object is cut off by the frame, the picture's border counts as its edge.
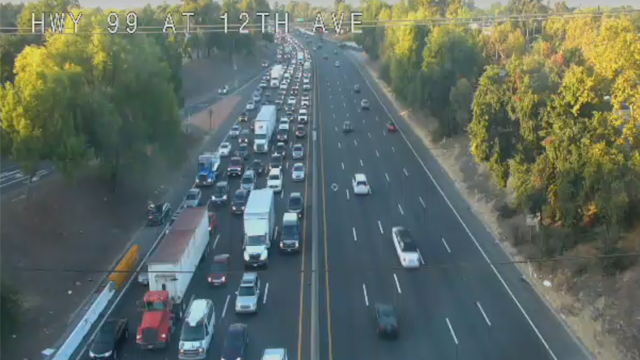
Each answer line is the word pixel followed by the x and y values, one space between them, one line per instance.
pixel 279 322
pixel 455 306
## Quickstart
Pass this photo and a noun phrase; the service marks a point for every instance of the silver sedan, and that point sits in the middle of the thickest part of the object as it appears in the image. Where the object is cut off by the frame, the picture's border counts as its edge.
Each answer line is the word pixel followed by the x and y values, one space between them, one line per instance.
pixel 298 172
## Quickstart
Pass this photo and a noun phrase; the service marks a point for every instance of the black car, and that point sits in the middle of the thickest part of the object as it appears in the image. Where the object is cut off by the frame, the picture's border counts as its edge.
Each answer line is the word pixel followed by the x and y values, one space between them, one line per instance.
pixel 346 127
pixel 290 115
pixel 235 345
pixel 281 149
pixel 301 131
pixel 111 336
pixel 158 214
pixel 283 135
pixel 244 136
pixel 239 201
pixel 276 162
pixel 257 166
pixel 219 269
pixel 220 193
pixel 296 204
pixel 236 167
pixel 386 320
pixel 243 151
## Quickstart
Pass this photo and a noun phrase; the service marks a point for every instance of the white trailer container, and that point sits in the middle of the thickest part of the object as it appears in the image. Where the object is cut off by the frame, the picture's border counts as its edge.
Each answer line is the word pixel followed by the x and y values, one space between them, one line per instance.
pixel 259 227
pixel 172 264
pixel 264 127
pixel 276 75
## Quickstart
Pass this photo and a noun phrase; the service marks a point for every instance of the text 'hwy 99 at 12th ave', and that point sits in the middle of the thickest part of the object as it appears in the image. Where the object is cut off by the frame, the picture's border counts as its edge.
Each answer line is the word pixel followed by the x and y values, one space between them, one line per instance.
pixel 70 23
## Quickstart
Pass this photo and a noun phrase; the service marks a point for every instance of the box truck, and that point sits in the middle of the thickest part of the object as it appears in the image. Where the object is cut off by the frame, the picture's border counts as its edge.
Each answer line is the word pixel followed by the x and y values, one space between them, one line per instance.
pixel 264 127
pixel 259 227
pixel 276 76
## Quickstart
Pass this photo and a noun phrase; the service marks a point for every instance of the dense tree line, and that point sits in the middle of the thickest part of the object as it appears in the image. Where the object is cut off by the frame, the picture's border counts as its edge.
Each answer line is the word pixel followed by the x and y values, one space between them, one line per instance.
pixel 547 105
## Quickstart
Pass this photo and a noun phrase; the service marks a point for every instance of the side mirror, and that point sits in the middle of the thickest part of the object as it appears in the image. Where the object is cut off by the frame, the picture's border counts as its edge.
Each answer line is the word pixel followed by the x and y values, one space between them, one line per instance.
pixel 236 293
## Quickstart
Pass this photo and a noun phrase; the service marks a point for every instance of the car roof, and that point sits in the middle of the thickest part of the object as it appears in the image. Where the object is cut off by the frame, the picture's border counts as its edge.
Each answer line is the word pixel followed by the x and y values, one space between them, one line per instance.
pixel 250 172
pixel 222 258
pixel 194 191
pixel 237 328
pixel 249 278
pixel 298 164
pixel 274 171
pixel 297 146
pixel 295 194
pixel 241 191
pixel 198 309
pixel 360 177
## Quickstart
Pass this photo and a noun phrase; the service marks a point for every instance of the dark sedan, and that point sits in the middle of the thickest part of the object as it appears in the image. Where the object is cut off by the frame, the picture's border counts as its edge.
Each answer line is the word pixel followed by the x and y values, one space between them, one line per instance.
pixel 276 162
pixel 219 268
pixel 257 166
pixel 386 320
pixel 301 131
pixel 243 151
pixel 111 336
pixel 235 345
pixel 158 214
pixel 239 201
pixel 236 167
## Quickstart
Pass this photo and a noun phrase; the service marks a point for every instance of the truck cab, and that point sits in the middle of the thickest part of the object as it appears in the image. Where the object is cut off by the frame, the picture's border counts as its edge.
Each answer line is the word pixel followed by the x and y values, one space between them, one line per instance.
pixel 157 320
pixel 290 237
pixel 207 167
pixel 197 330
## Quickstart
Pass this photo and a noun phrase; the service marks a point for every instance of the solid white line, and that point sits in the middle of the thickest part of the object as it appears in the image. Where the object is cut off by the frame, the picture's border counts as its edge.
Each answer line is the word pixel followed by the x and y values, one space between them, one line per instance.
pixel 355 142
pixel 397 284
pixel 355 236
pixel 369 135
pixel 484 315
pixel 347 190
pixel 342 166
pixel 405 172
pixel 215 242
pixel 387 176
pixel 393 149
pixel 422 202
pixel 281 194
pixel 446 245
pixel 420 256
pixel 266 293
pixel 384 133
pixel 226 304
pixel 400 208
pixel 361 164
pixel 466 228
pixel 366 298
pixel 380 227
pixel 339 146
pixel 453 334
pixel 377 153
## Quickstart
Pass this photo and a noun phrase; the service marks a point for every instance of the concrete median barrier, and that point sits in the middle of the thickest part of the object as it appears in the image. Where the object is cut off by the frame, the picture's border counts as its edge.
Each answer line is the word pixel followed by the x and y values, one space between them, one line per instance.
pixel 125 267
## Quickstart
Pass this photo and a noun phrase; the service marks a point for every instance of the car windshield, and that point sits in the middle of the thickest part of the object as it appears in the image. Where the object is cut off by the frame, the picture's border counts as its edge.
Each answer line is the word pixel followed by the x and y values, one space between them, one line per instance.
pixel 387 312
pixel 361 183
pixel 274 177
pixel 257 163
pixel 298 168
pixel 220 189
pixel 234 339
pixel 243 148
pixel 192 333
pixel 256 240
pixel 235 162
pixel 280 147
pixel 219 267
pixel 289 231
pixel 297 148
pixel 236 128
pixel 246 291
pixel 192 196
pixel 295 202
pixel 300 128
pixel 239 197
pixel 247 179
pixel 276 159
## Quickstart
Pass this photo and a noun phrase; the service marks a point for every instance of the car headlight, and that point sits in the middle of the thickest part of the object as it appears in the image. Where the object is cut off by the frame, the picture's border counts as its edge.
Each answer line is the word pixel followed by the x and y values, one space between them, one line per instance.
pixel 246 256
pixel 264 255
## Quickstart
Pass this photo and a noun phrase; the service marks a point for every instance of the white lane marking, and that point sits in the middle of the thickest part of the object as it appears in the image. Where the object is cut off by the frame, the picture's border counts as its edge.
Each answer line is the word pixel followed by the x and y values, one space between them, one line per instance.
pixel 361 163
pixel 366 298
pixel 484 315
pixel 420 256
pixel 339 146
pixel 281 194
pixel 384 133
pixel 400 208
pixel 393 149
pixel 334 116
pixel 446 245
pixel 335 127
pixel 422 202
pixel 453 333
pixel 355 142
pixel 369 135
pixel 404 170
pixel 347 190
pixel 215 242
pixel 380 227
pixel 342 166
pixel 331 104
pixel 345 104
pixel 226 305
pixel 397 284
pixel 363 121
pixel 387 176
pixel 286 165
pixel 473 238
pixel 347 114
pixel 377 118
pixel 266 293
pixel 377 153
pixel 355 236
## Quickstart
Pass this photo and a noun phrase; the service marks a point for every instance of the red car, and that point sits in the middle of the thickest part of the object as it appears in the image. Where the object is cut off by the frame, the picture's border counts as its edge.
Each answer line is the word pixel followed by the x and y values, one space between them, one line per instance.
pixel 219 268
pixel 391 127
pixel 213 222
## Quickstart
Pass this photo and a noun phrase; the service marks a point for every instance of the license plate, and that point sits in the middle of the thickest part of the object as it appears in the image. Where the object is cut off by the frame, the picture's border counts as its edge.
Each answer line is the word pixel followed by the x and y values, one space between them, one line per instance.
pixel 255 265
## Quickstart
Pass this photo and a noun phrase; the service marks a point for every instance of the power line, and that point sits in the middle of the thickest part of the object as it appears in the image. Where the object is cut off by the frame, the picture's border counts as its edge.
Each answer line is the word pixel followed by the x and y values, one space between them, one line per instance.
pixel 375 266
pixel 232 28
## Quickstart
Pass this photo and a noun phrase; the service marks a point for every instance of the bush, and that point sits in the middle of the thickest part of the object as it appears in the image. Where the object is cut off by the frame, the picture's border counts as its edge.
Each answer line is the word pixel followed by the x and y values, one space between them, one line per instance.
pixel 615 261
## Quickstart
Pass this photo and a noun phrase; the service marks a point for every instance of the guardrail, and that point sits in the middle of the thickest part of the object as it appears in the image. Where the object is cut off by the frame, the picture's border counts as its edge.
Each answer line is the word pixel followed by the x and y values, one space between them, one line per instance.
pixel 69 346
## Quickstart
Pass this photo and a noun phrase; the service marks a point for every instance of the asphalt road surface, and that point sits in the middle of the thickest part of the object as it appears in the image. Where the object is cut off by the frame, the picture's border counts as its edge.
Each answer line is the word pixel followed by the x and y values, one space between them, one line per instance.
pixel 280 320
pixel 454 306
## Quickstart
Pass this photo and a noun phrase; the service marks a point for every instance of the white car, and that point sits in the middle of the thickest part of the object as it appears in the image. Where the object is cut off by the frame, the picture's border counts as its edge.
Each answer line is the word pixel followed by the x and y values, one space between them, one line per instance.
pixel 284 123
pixel 303 116
pixel 255 97
pixel 306 87
pixel 406 248
pixel 291 100
pixel 225 149
pixel 274 180
pixel 305 81
pixel 298 172
pixel 284 85
pixel 360 185
pixel 235 131
pixel 337 64
pixel 297 152
pixel 250 105
pixel 263 84
pixel 304 101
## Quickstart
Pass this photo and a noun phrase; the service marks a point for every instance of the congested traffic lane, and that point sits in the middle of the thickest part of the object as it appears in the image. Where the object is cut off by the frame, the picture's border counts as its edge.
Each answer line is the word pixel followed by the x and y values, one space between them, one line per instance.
pixel 279 319
pixel 456 297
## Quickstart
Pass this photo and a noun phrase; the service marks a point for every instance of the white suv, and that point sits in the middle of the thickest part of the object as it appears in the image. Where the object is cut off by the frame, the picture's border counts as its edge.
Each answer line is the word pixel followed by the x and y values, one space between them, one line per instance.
pixel 303 116
pixel 200 319
pixel 274 180
pixel 304 101
pixel 360 185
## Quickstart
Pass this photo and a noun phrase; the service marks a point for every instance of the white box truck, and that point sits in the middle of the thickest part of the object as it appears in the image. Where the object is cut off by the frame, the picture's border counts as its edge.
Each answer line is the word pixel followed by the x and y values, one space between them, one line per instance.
pixel 172 264
pixel 276 75
pixel 259 227
pixel 264 127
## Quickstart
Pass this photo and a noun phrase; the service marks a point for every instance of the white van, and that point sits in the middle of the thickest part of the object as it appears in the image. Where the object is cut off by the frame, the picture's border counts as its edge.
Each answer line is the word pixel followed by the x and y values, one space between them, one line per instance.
pixel 197 330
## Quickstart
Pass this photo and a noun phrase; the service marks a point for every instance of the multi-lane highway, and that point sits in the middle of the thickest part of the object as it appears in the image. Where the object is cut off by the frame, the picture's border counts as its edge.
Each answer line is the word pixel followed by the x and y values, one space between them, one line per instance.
pixel 456 305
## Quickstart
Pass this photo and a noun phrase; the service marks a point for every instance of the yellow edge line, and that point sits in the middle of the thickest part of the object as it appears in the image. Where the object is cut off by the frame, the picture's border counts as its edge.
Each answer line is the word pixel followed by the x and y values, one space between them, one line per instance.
pixel 326 246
